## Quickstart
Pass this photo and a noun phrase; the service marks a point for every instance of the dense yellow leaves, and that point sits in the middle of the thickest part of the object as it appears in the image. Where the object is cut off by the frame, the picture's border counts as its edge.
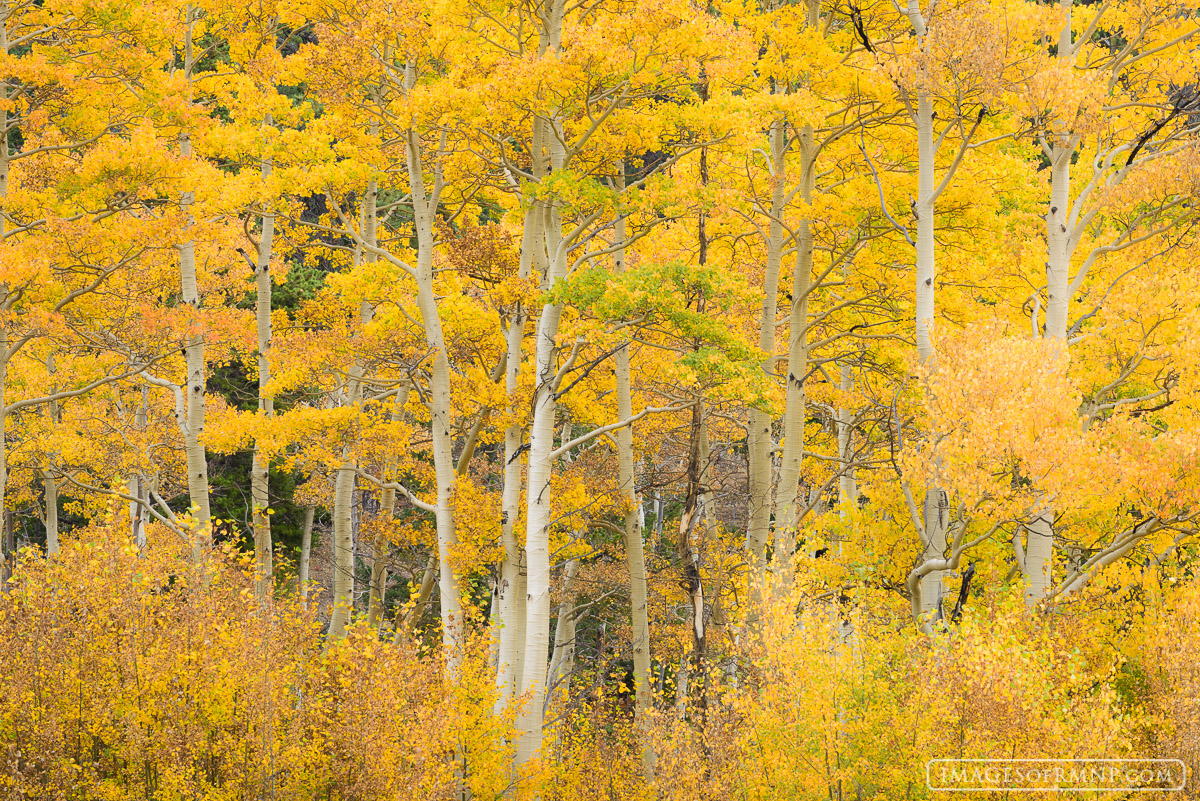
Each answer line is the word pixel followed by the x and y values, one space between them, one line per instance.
pixel 167 686
pixel 1001 411
pixel 492 230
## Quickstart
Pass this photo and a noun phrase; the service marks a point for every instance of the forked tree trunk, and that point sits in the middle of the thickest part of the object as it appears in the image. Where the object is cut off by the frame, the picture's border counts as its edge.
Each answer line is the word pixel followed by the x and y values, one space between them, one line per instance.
pixel 509 626
pixel 538 506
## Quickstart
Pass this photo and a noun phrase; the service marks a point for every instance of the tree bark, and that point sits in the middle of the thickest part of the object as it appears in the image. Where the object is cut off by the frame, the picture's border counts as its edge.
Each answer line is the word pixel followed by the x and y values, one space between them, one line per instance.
pixel 562 663
pixel 936 504
pixel 797 368
pixel 381 546
pixel 847 481
pixel 343 548
pixel 305 555
pixel 692 532
pixel 1039 550
pixel 260 467
pixel 538 504
pixel 635 556
pixel 510 625
pixel 197 375
pixel 759 441
pixel 51 492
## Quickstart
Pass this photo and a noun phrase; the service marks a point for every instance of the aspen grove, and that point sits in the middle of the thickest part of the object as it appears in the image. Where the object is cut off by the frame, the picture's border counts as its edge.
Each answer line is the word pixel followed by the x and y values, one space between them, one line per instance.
pixel 595 399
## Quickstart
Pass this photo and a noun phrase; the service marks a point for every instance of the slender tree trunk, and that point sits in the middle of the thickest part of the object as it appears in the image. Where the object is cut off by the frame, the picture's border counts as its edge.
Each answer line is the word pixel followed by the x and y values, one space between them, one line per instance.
pixel 537 547
pixel 343 548
pixel 139 484
pixel 429 580
pixel 133 488
pixel 510 625
pixel 346 481
pixel 797 368
pixel 538 506
pixel 1039 551
pixel 847 481
pixel 377 592
pixel 50 487
pixel 380 546
pixel 10 543
pixel 681 687
pixel 305 554
pixel 635 556
pixel 936 505
pixel 197 374
pixel 691 534
pixel 424 208
pixel 520 613
pixel 260 467
pixel 562 663
pixel 708 507
pixel 345 484
pixel 759 441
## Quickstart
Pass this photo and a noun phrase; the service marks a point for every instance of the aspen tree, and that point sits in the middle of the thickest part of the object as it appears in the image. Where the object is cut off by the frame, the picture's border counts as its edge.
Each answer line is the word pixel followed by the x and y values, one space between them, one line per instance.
pixel 44 273
pixel 347 474
pixel 920 78
pixel 935 511
pixel 259 471
pixel 192 422
pixel 634 552
pixel 510 586
pixel 387 510
pixel 1069 215
pixel 760 443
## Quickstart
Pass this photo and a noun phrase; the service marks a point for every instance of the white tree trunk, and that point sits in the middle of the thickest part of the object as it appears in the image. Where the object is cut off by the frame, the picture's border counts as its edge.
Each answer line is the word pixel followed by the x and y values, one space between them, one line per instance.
pixel 197 374
pixel 847 481
pixel 305 555
pixel 259 469
pixel 635 556
pixel 562 663
pixel 936 513
pixel 343 548
pixel 380 546
pixel 797 368
pixel 537 538
pixel 538 505
pixel 1039 550
pixel 440 411
pixel 510 625
pixel 681 687
pixel 760 444
pixel 51 490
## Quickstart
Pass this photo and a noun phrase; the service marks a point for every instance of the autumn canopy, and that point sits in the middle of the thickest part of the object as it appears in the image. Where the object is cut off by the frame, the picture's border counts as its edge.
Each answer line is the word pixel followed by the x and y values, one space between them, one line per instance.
pixel 579 399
